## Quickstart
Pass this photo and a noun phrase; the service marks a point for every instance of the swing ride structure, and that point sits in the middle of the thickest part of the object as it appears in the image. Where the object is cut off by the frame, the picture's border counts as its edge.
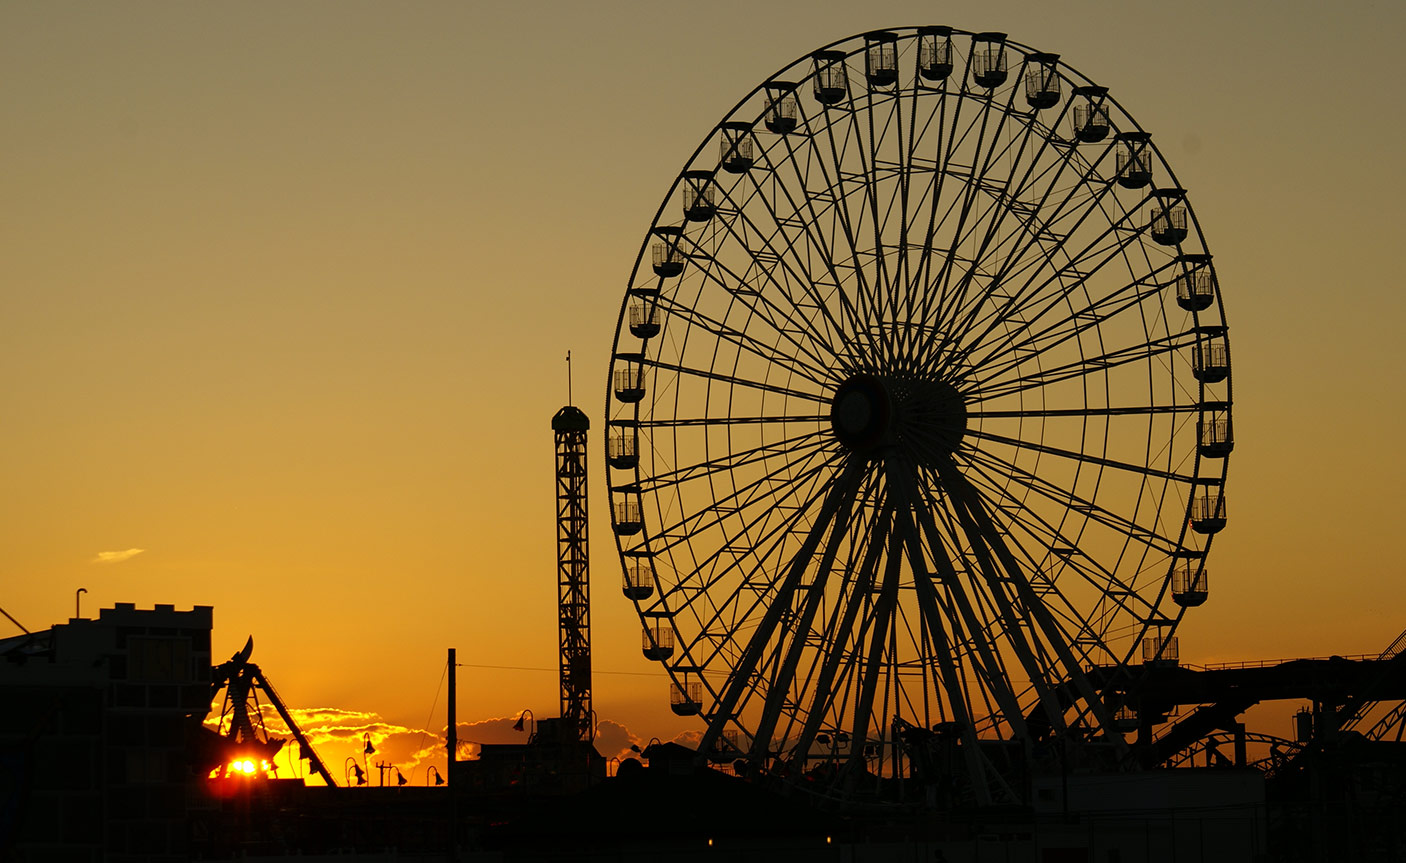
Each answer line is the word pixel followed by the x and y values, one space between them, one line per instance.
pixel 919 409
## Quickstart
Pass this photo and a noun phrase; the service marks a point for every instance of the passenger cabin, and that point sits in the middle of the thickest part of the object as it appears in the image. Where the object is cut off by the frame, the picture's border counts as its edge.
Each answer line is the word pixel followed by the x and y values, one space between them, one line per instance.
pixel 1168 223
pixel 667 251
pixel 935 53
pixel 1207 512
pixel 1189 580
pixel 989 59
pixel 699 204
pixel 1042 80
pixel 1160 650
pixel 644 319
pixel 1125 719
pixel 1214 435
pixel 658 642
pixel 1210 362
pixel 781 110
pixel 1090 114
pixel 881 59
pixel 627 517
pixel 620 450
pixel 735 143
pixel 686 699
pixel 831 80
pixel 1134 159
pixel 629 378
pixel 1196 283
pixel 639 581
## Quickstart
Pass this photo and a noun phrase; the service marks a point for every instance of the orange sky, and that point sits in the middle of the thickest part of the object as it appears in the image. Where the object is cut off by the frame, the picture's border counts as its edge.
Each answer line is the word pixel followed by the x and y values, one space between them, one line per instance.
pixel 287 287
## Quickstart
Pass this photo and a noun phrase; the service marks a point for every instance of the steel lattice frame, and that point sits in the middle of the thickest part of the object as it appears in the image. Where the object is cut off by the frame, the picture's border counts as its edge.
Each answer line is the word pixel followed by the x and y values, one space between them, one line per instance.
pixel 570 428
pixel 919 404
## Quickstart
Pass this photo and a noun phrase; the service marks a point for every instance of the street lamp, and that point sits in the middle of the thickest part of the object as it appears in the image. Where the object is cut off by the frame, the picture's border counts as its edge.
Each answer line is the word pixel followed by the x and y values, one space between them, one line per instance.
pixel 366 751
pixel 77 601
pixel 434 772
pixel 348 768
pixel 517 726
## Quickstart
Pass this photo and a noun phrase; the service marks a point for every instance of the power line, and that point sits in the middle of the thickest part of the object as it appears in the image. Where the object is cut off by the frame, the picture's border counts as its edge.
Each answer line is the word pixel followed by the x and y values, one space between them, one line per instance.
pixel 533 668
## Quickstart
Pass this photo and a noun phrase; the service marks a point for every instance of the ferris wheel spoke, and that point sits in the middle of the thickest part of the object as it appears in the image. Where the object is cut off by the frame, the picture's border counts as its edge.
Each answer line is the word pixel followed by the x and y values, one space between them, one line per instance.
pixel 838 495
pixel 1001 206
pixel 1061 282
pixel 715 511
pixel 923 272
pixel 836 196
pixel 758 305
pixel 800 363
pixel 972 328
pixel 788 258
pixel 706 374
pixel 985 153
pixel 802 223
pixel 983 464
pixel 1044 239
pixel 1092 411
pixel 767 546
pixel 795 449
pixel 869 167
pixel 724 421
pixel 1023 344
pixel 1089 458
pixel 988 387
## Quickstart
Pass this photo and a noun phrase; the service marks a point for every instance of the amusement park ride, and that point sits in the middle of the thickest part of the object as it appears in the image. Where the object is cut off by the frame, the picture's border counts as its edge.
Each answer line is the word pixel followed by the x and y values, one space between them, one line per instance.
pixel 919 426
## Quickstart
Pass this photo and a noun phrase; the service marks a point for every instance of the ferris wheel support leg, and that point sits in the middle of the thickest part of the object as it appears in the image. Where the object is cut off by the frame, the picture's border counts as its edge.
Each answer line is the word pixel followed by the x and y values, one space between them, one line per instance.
pixel 983 654
pixel 947 669
pixel 878 637
pixel 1053 634
pixel 861 588
pixel 781 683
pixel 1015 624
pixel 842 488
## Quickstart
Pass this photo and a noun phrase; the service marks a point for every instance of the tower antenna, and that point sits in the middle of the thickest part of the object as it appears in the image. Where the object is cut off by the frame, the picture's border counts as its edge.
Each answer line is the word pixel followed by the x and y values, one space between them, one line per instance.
pixel 568 377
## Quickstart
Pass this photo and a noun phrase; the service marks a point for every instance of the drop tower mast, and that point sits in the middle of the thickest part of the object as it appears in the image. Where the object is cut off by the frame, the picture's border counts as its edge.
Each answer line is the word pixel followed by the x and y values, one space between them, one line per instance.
pixel 570 427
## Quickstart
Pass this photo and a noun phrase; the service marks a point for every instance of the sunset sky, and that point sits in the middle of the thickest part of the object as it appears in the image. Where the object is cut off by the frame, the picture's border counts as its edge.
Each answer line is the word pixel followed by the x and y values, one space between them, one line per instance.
pixel 287 288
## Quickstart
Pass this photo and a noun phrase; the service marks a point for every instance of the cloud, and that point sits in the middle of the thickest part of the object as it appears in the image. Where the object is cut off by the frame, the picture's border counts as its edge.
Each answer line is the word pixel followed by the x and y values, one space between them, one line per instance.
pixel 117 556
pixel 339 735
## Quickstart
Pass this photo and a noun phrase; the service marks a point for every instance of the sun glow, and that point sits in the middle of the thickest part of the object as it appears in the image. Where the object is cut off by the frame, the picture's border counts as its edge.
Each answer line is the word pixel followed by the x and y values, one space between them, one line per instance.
pixel 242 767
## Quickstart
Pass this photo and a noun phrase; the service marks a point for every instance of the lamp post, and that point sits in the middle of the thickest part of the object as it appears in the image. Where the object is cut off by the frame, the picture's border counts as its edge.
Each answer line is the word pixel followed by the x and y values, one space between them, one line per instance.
pixel 433 773
pixel 532 729
pixel 367 751
pixel 348 768
pixel 78 601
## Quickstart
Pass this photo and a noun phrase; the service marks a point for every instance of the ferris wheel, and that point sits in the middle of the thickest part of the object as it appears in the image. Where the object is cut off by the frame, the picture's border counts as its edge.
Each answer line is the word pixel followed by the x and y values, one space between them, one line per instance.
pixel 919 407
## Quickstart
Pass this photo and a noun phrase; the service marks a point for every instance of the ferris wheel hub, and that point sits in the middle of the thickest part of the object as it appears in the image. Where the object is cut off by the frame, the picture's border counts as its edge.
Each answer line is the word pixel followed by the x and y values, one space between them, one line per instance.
pixel 870 413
